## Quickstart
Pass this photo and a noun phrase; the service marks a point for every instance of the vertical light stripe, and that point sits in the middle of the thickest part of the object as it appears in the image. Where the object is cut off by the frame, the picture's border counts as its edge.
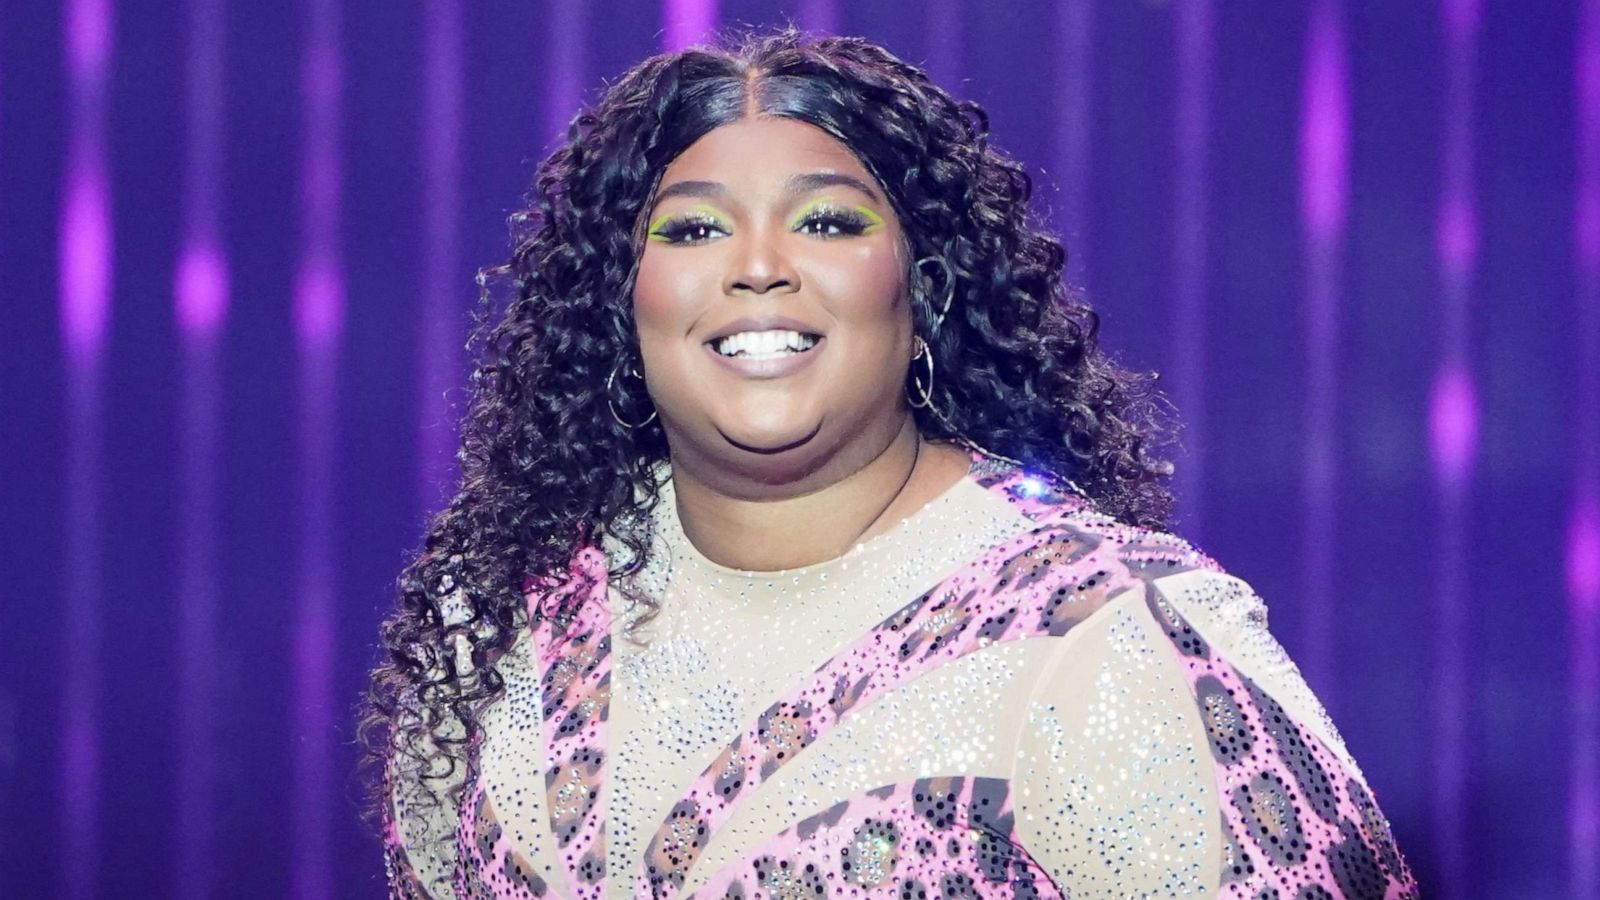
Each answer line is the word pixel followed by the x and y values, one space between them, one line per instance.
pixel 200 302
pixel 1583 528
pixel 319 310
pixel 1190 271
pixel 1074 23
pixel 569 65
pixel 1324 195
pixel 686 22
pixel 443 295
pixel 85 239
pixel 942 33
pixel 85 260
pixel 1453 447
pixel 820 17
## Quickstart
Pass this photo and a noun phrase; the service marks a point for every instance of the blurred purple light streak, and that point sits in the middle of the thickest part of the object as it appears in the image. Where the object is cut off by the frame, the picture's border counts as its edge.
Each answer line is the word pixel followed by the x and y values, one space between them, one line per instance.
pixel 1324 189
pixel 85 247
pixel 1583 555
pixel 942 35
pixel 685 22
pixel 85 258
pixel 1189 269
pixel 319 297
pixel 1325 128
pixel 1074 35
pixel 1583 528
pixel 1461 18
pixel 200 301
pixel 441 338
pixel 1453 447
pixel 563 89
pixel 1453 424
pixel 1457 235
pixel 319 310
pixel 201 288
pixel 820 16
pixel 89 32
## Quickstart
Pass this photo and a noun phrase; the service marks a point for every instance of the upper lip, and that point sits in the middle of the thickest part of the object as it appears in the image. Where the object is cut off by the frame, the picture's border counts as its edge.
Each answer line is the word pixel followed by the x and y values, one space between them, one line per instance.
pixel 763 323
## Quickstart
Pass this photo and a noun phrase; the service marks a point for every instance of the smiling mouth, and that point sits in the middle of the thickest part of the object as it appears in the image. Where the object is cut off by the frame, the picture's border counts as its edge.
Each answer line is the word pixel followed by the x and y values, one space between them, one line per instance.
pixel 756 345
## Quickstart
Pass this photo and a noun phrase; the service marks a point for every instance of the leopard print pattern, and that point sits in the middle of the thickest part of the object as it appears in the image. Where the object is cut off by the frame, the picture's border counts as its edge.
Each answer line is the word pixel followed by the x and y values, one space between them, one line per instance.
pixel 1042 582
pixel 573 641
pixel 1295 821
pixel 945 837
pixel 489 863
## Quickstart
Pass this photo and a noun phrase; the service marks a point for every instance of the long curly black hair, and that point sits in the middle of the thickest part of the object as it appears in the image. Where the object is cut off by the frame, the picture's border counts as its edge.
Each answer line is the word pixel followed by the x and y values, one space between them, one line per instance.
pixel 546 467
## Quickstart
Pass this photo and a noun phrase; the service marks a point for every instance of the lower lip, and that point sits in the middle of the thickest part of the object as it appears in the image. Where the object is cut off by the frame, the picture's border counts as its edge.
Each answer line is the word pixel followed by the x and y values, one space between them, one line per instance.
pixel 767 368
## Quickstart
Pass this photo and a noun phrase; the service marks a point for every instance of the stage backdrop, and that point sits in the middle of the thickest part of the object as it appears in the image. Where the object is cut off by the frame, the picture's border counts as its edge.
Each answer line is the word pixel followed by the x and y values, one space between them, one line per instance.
pixel 1359 241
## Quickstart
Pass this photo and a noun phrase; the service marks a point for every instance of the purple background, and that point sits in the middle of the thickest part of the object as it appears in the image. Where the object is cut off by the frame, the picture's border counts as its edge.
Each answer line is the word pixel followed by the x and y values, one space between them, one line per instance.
pixel 1360 242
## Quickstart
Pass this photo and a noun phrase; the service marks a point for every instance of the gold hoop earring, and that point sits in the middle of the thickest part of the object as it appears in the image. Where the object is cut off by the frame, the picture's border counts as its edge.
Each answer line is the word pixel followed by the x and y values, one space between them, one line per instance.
pixel 612 404
pixel 923 350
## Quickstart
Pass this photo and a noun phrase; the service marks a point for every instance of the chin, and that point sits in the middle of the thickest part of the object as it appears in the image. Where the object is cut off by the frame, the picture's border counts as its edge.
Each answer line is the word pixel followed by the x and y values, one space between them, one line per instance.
pixel 770 440
pixel 768 426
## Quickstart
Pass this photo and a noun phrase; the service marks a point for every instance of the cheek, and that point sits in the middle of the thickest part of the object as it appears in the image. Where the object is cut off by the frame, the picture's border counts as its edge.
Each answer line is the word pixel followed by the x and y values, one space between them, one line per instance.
pixel 861 283
pixel 671 290
pixel 670 299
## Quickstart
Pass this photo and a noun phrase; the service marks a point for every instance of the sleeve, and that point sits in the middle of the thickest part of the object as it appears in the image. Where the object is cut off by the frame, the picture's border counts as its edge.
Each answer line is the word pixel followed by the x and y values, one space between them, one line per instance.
pixel 1173 747
pixel 414 858
pixel 419 831
pixel 1227 611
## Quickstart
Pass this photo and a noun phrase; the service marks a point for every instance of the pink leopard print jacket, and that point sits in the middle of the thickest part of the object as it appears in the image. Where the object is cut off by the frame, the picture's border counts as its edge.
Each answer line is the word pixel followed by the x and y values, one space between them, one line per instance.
pixel 1282 809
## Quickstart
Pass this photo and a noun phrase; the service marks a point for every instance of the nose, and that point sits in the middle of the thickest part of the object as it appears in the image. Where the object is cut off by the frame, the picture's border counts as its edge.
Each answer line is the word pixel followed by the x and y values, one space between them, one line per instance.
pixel 760 265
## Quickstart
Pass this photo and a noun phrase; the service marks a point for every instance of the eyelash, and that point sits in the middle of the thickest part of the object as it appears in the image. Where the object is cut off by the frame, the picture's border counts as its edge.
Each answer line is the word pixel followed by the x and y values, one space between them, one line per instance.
pixel 850 224
pixel 675 231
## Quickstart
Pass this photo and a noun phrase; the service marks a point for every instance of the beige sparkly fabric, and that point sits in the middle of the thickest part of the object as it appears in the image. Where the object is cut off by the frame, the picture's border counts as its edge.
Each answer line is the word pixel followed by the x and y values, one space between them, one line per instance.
pixel 1098 733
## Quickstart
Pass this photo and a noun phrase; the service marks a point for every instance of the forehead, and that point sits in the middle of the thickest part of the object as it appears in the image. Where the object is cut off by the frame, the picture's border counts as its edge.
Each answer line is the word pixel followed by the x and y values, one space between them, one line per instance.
pixel 762 151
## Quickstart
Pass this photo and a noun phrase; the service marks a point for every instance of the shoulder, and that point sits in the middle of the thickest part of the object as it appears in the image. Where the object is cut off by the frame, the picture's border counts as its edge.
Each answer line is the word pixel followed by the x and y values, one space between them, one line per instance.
pixel 1053 510
pixel 1090 559
pixel 1208 616
pixel 1203 609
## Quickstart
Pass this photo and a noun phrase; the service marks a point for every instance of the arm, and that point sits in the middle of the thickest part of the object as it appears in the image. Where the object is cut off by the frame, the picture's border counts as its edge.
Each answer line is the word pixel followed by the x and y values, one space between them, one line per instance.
pixel 1172 746
pixel 1296 809
pixel 1230 614
pixel 419 831
pixel 413 864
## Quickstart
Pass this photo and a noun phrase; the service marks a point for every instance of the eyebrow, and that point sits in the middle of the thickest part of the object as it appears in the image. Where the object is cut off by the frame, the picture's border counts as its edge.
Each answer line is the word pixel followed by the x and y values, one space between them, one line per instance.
pixel 794 184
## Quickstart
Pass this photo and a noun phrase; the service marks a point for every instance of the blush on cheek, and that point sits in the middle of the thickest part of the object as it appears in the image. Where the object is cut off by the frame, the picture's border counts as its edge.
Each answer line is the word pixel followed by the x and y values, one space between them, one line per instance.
pixel 865 284
pixel 671 296
pixel 650 298
pixel 678 283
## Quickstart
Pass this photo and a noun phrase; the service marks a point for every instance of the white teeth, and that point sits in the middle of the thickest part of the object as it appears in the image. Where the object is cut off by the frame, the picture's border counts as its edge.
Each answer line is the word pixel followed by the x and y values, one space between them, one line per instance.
pixel 764 344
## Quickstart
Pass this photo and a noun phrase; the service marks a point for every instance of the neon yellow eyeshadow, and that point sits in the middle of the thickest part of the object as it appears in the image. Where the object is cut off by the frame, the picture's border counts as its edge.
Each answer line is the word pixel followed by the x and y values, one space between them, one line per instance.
pixel 874 220
pixel 706 211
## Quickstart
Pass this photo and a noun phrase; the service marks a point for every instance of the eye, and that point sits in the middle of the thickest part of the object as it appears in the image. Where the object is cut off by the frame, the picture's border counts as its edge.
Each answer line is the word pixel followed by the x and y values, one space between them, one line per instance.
pixel 829 221
pixel 689 229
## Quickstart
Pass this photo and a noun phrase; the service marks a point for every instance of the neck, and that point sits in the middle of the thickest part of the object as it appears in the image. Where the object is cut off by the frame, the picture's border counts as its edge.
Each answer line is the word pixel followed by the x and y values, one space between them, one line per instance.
pixel 815 524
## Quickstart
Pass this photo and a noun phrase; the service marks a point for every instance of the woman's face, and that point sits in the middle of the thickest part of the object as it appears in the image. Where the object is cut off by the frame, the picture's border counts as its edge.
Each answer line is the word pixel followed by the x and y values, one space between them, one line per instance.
pixel 771 231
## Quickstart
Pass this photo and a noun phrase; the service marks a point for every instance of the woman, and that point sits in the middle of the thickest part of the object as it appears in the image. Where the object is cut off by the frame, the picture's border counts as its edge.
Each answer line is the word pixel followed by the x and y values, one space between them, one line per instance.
pixel 807 544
